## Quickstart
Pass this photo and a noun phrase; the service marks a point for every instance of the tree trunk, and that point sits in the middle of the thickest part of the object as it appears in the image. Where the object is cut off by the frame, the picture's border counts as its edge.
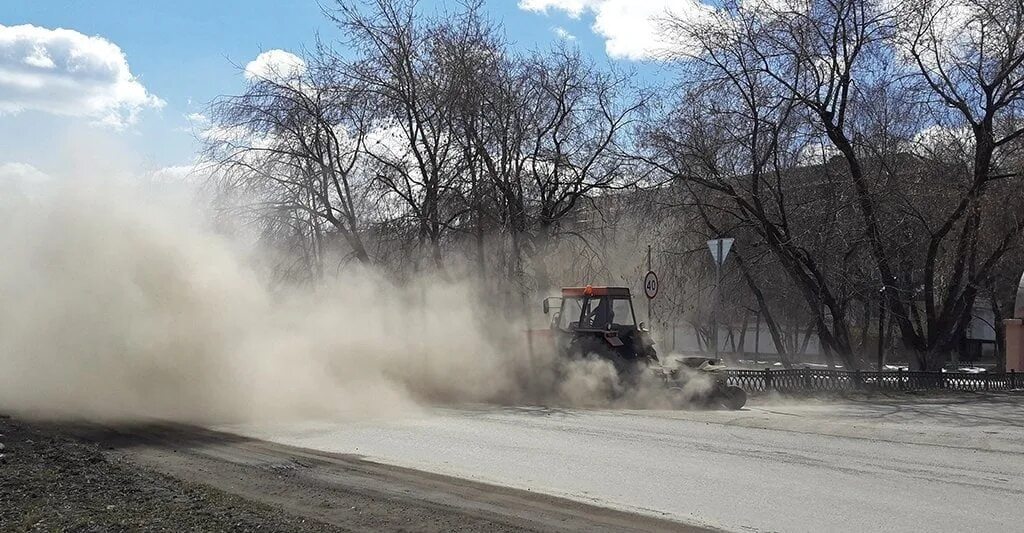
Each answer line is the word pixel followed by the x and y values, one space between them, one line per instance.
pixel 739 348
pixel 865 327
pixel 762 305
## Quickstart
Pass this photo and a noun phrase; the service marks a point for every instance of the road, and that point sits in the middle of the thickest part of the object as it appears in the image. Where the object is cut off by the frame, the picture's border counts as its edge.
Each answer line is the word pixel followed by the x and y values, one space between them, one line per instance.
pixel 259 485
pixel 895 465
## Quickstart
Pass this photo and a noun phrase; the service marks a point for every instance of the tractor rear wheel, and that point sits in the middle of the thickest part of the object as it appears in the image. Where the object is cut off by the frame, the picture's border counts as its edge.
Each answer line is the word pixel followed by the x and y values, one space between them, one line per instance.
pixel 629 370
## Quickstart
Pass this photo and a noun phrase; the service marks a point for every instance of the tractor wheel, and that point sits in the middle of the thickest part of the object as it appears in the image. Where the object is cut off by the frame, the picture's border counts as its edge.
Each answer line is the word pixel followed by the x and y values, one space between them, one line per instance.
pixel 733 398
pixel 629 371
pixel 587 346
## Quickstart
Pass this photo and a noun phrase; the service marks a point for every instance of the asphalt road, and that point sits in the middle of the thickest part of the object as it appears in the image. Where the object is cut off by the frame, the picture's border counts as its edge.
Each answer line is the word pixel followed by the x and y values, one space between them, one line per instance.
pixel 894 465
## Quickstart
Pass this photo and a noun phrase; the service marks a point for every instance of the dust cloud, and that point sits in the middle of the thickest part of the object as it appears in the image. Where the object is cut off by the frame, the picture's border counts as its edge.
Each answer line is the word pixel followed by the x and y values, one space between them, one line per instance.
pixel 114 304
pixel 121 303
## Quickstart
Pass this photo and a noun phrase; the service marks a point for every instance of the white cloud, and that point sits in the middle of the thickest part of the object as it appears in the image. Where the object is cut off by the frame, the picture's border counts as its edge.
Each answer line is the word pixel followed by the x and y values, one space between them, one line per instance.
pixel 275 65
pixel 20 180
pixel 776 7
pixel 574 8
pixel 956 32
pixel 198 119
pixel 236 135
pixel 387 140
pixel 174 172
pixel 630 27
pixel 197 123
pixel 22 173
pixel 177 174
pixel 67 73
pixel 817 153
pixel 942 140
pixel 563 34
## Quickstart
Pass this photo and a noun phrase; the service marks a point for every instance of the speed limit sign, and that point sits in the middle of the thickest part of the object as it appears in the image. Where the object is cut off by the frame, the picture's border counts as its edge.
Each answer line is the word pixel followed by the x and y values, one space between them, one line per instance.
pixel 651 285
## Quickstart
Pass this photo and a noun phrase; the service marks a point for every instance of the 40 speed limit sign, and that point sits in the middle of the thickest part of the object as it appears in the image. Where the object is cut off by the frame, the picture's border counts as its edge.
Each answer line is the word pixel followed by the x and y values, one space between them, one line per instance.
pixel 651 285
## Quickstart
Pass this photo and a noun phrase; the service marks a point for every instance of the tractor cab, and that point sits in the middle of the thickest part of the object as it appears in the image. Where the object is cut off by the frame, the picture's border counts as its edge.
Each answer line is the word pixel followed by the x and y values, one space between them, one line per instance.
pixel 598 320
pixel 593 308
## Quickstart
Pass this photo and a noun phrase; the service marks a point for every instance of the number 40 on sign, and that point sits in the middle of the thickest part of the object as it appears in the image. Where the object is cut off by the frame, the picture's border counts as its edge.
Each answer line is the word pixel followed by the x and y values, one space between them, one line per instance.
pixel 651 285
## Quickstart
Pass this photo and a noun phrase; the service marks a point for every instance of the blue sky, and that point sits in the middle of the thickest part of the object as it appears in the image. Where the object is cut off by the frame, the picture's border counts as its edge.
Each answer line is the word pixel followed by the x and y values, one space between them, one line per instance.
pixel 182 54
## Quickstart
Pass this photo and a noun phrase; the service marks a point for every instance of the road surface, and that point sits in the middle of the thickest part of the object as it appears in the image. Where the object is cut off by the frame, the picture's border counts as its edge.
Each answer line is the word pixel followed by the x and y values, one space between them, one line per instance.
pixel 895 465
pixel 306 490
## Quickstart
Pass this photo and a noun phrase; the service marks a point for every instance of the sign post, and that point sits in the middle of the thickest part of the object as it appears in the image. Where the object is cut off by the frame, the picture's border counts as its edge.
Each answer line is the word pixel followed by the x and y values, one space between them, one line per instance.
pixel 719 251
pixel 650 286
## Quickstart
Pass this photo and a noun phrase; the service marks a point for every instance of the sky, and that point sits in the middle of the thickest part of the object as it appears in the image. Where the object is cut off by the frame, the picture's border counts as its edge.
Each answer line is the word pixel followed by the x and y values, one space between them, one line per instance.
pixel 82 80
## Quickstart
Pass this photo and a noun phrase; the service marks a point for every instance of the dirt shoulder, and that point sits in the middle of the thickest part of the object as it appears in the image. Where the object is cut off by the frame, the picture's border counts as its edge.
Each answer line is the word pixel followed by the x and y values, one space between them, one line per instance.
pixel 52 482
pixel 176 478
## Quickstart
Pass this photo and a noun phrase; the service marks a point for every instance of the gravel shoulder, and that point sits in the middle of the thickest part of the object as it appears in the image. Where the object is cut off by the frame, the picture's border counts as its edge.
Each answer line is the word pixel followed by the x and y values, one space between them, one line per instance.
pixel 178 478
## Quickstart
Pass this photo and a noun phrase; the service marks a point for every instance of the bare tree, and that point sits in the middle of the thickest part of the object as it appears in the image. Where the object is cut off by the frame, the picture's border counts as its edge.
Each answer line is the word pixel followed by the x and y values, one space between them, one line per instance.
pixel 291 146
pixel 737 135
pixel 835 68
pixel 549 131
pixel 970 56
pixel 402 65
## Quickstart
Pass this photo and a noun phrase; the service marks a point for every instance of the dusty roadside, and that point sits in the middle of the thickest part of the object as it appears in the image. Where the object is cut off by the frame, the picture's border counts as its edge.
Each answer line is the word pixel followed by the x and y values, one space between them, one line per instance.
pixel 50 481
pixel 176 478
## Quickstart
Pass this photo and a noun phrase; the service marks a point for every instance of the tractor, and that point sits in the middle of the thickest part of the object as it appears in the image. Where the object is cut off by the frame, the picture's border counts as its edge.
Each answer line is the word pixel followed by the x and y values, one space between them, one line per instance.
pixel 600 321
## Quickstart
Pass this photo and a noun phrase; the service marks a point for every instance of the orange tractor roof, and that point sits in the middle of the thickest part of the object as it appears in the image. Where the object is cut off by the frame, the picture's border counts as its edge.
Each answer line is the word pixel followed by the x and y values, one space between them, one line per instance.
pixel 596 291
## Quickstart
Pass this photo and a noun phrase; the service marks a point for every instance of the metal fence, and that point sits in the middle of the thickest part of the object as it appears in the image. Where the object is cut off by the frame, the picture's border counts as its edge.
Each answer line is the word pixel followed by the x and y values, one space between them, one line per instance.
pixel 811 380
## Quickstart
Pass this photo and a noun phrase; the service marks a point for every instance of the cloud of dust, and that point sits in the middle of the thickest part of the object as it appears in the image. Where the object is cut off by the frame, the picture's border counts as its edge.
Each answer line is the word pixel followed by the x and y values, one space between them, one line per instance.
pixel 122 304
pixel 116 305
